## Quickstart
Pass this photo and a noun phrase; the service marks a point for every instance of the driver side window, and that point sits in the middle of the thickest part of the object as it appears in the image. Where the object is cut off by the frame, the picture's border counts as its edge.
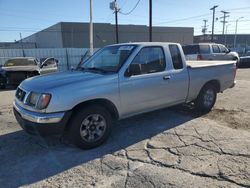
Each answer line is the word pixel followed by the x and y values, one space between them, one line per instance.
pixel 223 49
pixel 148 60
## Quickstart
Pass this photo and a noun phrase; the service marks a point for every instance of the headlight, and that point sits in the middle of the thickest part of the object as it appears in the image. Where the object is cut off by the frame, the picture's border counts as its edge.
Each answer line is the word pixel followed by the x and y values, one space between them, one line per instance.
pixel 33 98
pixel 39 100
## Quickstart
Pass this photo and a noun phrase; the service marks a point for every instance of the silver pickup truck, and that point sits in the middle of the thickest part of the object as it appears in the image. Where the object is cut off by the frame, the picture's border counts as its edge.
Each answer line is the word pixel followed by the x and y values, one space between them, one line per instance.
pixel 118 81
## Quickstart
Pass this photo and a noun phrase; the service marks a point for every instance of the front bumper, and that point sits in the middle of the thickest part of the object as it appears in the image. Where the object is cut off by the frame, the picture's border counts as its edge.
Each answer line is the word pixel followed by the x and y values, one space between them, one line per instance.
pixel 41 123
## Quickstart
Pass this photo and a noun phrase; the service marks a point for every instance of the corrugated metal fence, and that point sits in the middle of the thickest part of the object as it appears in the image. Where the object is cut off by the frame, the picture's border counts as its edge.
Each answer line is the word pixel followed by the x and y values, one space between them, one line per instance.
pixel 67 56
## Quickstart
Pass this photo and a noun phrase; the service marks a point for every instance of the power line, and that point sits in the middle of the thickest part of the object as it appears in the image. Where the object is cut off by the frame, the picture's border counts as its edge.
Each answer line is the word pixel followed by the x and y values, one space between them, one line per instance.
pixel 184 19
pixel 239 21
pixel 131 9
pixel 37 29
pixel 241 8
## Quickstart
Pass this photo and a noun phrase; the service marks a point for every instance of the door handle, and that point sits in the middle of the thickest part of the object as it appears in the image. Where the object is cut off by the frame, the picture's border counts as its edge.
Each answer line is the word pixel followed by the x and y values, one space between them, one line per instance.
pixel 167 77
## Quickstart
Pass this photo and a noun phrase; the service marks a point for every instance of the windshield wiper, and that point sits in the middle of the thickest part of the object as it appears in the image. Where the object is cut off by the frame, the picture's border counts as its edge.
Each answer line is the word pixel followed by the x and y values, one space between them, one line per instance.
pixel 94 69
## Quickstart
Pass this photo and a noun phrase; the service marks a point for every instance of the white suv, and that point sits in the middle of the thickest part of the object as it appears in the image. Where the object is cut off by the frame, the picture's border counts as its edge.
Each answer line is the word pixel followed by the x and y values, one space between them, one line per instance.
pixel 209 51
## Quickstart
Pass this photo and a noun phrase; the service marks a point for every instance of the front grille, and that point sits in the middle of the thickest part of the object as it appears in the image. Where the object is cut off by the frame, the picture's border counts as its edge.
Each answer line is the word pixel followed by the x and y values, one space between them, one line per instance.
pixel 20 94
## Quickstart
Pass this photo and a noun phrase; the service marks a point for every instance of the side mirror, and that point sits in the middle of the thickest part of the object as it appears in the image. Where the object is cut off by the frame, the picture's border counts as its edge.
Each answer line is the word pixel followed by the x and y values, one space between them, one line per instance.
pixel 228 51
pixel 133 69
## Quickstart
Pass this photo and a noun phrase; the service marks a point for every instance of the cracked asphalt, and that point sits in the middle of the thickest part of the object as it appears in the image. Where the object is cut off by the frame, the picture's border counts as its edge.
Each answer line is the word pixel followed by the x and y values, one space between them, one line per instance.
pixel 173 147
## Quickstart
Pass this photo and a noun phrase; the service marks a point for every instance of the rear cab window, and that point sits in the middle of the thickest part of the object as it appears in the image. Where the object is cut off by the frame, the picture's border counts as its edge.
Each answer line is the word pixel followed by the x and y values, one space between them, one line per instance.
pixel 176 56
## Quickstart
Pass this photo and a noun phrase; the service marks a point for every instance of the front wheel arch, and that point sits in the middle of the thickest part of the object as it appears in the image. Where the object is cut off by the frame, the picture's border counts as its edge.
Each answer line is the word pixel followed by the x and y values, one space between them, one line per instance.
pixel 107 104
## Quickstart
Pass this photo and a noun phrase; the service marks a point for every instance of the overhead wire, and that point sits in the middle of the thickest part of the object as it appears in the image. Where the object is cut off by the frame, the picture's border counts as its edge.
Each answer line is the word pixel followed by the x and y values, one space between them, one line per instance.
pixel 131 9
pixel 184 19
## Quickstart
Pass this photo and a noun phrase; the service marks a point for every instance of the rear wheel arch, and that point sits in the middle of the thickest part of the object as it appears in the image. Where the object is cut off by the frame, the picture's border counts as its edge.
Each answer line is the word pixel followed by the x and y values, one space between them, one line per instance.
pixel 214 83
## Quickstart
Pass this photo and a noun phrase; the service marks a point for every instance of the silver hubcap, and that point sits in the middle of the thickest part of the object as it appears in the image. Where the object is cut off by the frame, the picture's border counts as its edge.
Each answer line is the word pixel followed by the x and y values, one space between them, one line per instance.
pixel 93 127
pixel 209 97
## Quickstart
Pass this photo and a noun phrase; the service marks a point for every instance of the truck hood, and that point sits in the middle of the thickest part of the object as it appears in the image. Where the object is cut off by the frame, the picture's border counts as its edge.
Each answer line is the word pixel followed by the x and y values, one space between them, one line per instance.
pixel 234 54
pixel 44 83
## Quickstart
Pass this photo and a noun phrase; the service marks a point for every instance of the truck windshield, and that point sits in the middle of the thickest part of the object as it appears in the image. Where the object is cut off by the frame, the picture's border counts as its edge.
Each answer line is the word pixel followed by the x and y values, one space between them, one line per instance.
pixel 109 59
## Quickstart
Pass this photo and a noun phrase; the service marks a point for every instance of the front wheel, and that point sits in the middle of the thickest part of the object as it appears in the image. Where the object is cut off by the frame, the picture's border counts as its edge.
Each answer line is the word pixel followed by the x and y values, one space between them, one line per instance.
pixel 2 86
pixel 90 127
pixel 206 98
pixel 237 61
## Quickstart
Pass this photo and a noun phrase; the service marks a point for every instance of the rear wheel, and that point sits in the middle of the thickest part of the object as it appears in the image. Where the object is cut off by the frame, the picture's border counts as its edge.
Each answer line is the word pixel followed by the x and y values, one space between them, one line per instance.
pixel 206 98
pixel 90 127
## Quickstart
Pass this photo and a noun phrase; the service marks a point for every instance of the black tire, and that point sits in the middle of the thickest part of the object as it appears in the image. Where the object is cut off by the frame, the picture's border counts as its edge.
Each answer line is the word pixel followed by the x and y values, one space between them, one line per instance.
pixel 237 61
pixel 77 123
pixel 3 86
pixel 3 83
pixel 206 98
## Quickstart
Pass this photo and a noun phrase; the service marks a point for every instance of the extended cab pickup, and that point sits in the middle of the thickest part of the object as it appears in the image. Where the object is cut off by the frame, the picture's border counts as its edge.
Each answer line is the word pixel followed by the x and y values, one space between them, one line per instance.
pixel 118 81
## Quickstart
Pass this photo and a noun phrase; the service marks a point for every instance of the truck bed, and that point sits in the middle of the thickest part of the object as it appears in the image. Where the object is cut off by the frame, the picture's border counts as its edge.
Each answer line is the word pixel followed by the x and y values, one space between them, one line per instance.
pixel 200 64
pixel 202 71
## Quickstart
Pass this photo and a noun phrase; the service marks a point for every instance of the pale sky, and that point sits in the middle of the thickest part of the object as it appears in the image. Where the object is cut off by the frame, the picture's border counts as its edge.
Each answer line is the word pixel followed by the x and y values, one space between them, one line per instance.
pixel 30 16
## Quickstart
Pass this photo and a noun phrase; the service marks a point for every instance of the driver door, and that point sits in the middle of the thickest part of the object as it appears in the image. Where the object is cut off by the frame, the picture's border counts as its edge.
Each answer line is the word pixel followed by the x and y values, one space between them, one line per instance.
pixel 146 87
pixel 48 66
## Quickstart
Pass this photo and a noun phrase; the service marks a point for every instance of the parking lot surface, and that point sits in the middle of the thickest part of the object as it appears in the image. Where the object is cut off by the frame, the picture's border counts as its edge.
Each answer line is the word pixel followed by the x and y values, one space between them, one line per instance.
pixel 173 147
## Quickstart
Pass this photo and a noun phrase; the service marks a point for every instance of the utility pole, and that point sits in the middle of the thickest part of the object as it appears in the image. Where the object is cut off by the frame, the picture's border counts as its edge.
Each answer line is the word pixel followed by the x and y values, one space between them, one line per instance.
pixel 204 29
pixel 113 6
pixel 116 22
pixel 90 29
pixel 213 9
pixel 224 23
pixel 225 42
pixel 21 40
pixel 224 20
pixel 235 35
pixel 150 20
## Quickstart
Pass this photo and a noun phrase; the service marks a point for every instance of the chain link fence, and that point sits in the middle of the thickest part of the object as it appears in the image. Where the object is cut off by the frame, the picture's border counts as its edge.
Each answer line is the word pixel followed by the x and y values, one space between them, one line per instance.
pixel 67 57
